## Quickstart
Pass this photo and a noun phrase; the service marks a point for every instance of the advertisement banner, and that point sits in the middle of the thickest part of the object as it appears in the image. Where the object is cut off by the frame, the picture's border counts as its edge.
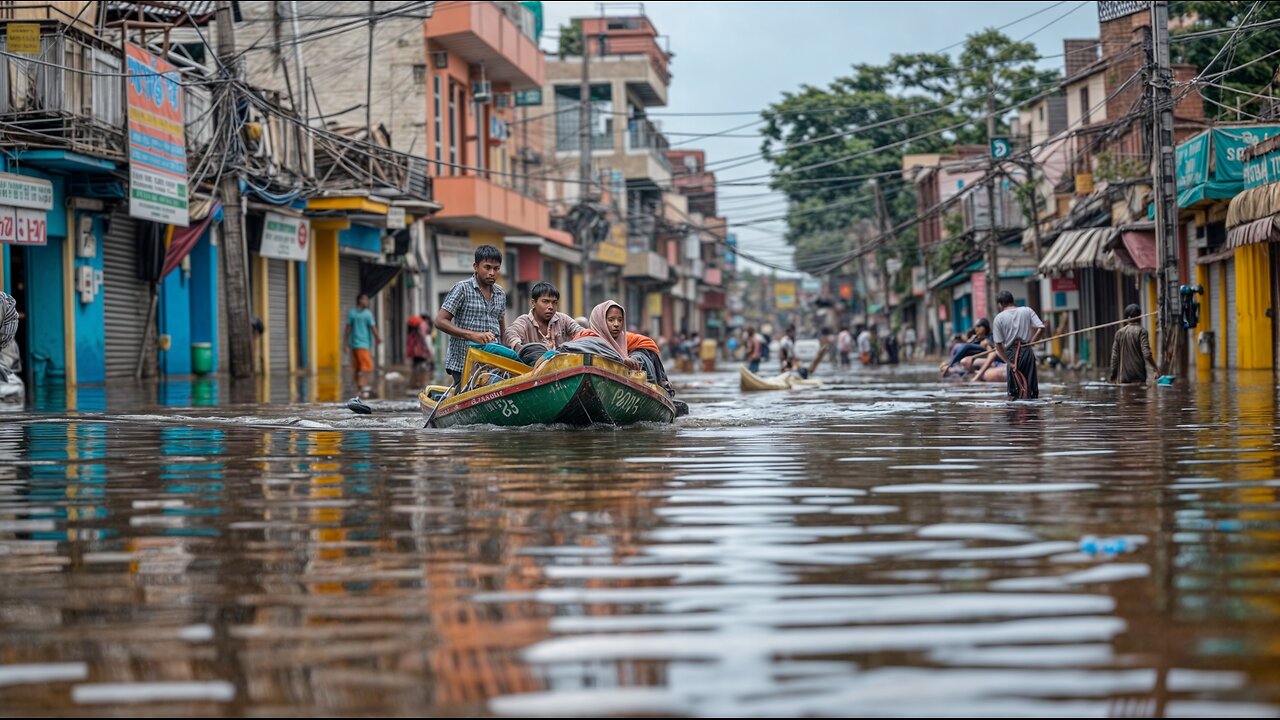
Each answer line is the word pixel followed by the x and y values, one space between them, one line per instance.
pixel 784 295
pixel 157 140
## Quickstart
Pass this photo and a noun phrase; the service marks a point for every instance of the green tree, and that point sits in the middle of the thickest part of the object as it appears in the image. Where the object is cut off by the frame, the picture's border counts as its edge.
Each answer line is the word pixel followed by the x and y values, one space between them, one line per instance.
pixel 1248 45
pixel 992 65
pixel 571 39
pixel 822 142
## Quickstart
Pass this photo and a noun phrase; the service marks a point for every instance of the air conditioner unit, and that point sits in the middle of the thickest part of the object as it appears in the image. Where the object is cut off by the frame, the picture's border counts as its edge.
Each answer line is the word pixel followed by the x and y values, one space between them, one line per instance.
pixel 440 60
pixel 482 91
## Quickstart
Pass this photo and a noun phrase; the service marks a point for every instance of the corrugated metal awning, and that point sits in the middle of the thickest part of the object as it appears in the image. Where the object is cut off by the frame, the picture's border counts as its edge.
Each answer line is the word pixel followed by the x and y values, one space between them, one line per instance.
pixel 1079 249
pixel 1256 203
pixel 1258 231
pixel 556 251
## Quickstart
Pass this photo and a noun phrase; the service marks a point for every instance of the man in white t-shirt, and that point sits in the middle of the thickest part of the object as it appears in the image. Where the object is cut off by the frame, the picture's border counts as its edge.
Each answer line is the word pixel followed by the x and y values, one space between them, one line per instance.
pixel 787 349
pixel 844 345
pixel 864 346
pixel 1014 331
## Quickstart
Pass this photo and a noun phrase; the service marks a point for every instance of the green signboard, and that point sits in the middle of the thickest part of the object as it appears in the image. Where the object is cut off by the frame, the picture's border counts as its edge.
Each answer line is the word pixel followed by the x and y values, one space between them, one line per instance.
pixel 1211 165
pixel 526 98
pixel 1261 170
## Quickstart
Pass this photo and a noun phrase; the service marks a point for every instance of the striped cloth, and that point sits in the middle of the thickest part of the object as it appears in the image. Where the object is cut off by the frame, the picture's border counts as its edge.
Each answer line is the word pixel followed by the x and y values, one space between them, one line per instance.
pixel 8 319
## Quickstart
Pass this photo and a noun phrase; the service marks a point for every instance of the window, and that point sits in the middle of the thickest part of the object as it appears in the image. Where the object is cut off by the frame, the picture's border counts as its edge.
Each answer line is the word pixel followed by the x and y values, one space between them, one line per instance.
pixel 1084 105
pixel 455 122
pixel 567 117
pixel 419 75
pixel 437 124
pixel 1042 112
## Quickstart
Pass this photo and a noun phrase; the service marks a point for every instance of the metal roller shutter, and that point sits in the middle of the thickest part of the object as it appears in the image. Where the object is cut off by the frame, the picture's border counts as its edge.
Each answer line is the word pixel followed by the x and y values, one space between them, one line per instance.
pixel 278 313
pixel 1230 359
pixel 1275 305
pixel 224 345
pixel 1211 311
pixel 348 291
pixel 125 297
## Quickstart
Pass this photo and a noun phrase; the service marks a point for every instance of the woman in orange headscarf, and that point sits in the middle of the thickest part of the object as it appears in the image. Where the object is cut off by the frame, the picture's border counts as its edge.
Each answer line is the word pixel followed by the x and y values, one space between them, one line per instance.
pixel 608 322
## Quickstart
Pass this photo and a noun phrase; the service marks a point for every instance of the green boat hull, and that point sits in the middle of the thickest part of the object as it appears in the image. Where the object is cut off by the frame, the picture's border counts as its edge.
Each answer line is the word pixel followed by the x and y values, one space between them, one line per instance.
pixel 584 395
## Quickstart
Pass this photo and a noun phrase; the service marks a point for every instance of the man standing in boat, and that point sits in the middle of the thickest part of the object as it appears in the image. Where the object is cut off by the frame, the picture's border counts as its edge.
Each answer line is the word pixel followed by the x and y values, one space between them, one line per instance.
pixel 473 311
pixel 544 324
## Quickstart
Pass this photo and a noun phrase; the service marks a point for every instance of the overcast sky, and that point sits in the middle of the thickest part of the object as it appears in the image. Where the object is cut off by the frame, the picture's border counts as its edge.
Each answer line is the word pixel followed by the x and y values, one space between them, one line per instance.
pixel 741 56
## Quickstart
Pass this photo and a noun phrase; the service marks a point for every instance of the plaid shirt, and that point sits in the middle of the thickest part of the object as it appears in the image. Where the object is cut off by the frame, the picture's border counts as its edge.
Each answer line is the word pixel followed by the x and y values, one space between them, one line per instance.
pixel 472 312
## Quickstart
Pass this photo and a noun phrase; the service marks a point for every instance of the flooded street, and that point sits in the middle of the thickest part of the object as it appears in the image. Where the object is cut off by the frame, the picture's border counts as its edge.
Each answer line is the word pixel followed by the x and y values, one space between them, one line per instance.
pixel 884 545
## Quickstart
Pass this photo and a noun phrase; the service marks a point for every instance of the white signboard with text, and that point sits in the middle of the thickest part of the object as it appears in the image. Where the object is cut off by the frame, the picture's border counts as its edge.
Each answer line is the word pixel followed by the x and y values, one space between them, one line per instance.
pixel 285 237
pixel 23 205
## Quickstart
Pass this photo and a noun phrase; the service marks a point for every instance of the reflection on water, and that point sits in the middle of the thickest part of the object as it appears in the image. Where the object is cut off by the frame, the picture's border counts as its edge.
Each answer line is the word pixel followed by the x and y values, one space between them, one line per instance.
pixel 885 545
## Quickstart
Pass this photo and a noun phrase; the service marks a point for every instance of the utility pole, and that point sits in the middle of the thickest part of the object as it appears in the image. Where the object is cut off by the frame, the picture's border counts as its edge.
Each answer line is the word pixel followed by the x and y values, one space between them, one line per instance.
pixel 866 287
pixel 584 169
pixel 368 96
pixel 305 106
pixel 1162 171
pixel 993 241
pixel 235 251
pixel 886 232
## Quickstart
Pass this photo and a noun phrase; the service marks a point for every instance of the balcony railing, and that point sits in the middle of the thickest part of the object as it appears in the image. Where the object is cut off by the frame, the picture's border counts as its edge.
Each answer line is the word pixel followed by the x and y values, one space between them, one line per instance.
pixel 1008 211
pixel 68 97
pixel 643 134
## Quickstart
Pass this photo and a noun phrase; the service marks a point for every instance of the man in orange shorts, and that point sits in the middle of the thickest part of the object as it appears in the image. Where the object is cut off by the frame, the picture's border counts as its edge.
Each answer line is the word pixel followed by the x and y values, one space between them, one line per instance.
pixel 360 334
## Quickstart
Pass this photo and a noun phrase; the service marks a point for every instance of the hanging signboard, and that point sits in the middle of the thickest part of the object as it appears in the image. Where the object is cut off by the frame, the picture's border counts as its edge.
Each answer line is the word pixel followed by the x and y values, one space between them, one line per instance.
pixel 285 237
pixel 784 295
pixel 455 254
pixel 23 226
pixel 157 140
pixel 23 38
pixel 27 192
pixel 23 205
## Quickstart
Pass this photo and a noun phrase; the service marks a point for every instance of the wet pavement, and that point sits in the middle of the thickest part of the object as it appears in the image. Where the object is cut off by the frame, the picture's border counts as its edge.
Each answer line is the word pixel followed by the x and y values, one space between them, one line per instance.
pixel 886 545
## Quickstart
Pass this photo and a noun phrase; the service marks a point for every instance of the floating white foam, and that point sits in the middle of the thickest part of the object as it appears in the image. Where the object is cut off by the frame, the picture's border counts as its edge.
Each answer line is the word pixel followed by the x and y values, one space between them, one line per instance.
pixel 37 673
pixel 119 693
pixel 977 531
pixel 984 488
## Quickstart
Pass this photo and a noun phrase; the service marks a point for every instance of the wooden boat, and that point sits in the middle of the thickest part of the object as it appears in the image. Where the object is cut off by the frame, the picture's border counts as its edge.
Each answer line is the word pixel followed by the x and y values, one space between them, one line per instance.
pixel 569 389
pixel 750 382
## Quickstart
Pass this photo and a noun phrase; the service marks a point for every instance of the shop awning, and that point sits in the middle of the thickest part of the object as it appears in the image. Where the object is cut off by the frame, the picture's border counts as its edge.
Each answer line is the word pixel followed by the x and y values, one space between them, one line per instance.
pixel 956 276
pixel 556 251
pixel 375 276
pixel 1133 249
pixel 1255 203
pixel 1259 231
pixel 1141 247
pixel 1077 250
pixel 1210 165
pixel 549 247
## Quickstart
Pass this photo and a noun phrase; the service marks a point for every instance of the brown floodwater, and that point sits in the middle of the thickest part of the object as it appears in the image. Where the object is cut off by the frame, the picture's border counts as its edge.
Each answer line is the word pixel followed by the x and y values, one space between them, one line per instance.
pixel 885 545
